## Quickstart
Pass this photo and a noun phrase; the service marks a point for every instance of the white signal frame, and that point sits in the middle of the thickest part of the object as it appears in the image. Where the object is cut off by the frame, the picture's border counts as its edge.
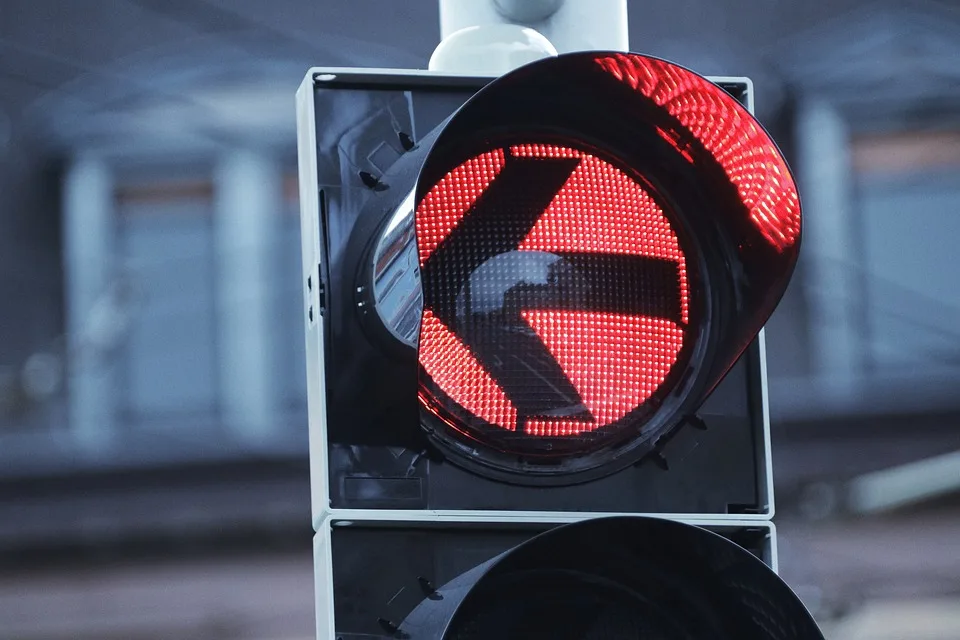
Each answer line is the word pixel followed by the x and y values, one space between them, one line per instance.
pixel 323 542
pixel 309 187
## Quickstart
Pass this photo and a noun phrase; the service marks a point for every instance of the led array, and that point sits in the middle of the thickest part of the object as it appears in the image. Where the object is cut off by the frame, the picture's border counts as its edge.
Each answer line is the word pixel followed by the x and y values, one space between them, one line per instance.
pixel 448 200
pixel 558 428
pixel 616 362
pixel 454 369
pixel 602 210
pixel 748 156
pixel 538 150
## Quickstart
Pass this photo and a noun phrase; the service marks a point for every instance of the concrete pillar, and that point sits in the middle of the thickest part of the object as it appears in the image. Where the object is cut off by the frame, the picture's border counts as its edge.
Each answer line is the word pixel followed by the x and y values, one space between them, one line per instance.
pixel 830 256
pixel 89 236
pixel 249 194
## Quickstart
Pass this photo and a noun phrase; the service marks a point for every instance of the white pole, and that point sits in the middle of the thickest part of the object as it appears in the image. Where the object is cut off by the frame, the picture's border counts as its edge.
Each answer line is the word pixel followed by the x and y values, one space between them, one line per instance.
pixel 571 25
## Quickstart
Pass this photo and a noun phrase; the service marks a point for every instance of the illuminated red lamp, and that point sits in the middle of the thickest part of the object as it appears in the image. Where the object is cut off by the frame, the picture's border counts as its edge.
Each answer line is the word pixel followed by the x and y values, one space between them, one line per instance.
pixel 600 236
pixel 749 157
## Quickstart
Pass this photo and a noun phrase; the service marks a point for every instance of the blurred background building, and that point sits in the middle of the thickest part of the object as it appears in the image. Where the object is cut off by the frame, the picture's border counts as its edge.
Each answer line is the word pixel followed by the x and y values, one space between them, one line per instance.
pixel 153 472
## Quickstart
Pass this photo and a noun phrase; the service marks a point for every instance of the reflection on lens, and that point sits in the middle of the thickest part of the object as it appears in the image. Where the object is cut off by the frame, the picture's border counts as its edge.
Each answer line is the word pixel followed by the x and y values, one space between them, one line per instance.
pixel 396 276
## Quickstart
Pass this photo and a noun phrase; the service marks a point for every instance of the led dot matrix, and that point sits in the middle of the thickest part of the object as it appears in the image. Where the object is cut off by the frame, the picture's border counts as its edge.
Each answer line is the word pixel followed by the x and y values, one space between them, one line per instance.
pixel 614 361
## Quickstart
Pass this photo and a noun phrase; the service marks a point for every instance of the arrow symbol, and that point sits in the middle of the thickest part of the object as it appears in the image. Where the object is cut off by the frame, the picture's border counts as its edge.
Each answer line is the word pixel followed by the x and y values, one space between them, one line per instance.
pixel 478 284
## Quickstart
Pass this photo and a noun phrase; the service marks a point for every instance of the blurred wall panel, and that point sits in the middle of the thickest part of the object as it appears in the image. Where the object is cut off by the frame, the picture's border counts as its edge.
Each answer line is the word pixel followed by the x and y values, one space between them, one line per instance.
pixel 911 227
pixel 168 269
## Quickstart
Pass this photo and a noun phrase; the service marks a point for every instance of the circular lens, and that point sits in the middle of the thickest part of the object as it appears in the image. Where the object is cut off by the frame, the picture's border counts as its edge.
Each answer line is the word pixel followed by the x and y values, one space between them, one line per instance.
pixel 557 303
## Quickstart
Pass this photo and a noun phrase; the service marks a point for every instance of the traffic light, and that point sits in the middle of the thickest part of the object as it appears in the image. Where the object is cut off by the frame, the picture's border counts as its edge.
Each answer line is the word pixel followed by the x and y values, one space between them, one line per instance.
pixel 534 352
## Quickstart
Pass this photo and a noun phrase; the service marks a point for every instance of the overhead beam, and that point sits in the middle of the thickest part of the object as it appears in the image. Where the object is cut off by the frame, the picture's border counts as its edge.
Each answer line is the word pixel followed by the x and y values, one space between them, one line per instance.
pixel 905 484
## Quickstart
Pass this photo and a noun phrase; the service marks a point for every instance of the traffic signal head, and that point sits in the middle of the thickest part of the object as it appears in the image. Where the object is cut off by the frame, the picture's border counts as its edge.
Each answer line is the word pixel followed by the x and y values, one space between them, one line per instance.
pixel 507 312
pixel 598 237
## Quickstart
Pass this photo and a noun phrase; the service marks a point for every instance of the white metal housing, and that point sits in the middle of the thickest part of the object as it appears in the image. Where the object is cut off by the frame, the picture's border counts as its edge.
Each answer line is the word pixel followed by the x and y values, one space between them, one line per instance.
pixel 310 232
pixel 323 517
pixel 323 551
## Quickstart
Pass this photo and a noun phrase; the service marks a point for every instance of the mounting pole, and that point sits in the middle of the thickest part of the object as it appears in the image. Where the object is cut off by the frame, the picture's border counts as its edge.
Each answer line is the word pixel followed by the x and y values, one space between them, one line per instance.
pixel 491 37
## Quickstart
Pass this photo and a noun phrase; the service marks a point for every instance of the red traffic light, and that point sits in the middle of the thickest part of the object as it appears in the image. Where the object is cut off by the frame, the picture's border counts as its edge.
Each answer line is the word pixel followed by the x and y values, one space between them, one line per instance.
pixel 593 277
pixel 592 261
